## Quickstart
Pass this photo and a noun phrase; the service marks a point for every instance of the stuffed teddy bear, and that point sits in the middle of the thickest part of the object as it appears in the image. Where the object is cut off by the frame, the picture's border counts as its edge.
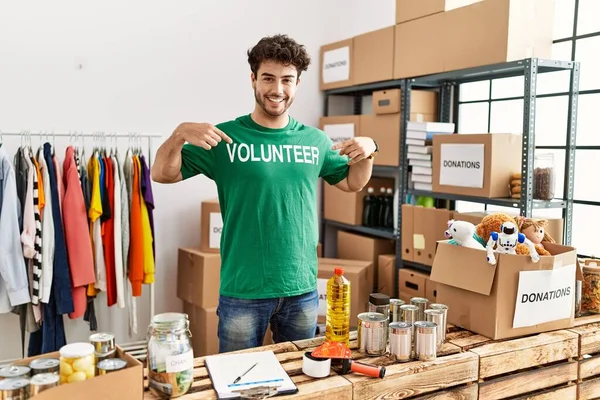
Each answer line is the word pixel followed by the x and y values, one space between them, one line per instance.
pixel 535 230
pixel 506 240
pixel 492 223
pixel 463 234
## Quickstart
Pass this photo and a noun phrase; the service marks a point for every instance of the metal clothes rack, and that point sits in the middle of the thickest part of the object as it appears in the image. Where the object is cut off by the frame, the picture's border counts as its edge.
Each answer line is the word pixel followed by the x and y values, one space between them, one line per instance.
pixel 100 138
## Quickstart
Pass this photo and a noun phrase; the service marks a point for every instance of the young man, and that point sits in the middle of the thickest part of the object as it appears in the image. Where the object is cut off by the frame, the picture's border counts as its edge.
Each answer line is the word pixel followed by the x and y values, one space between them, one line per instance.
pixel 266 166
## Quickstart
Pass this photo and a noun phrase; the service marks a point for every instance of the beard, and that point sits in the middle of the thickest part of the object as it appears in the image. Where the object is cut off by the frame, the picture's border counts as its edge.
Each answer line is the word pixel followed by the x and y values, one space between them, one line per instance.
pixel 287 102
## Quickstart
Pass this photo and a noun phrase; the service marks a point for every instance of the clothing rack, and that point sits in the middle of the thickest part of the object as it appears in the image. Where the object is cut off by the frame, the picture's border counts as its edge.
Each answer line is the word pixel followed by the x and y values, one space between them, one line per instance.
pixel 100 138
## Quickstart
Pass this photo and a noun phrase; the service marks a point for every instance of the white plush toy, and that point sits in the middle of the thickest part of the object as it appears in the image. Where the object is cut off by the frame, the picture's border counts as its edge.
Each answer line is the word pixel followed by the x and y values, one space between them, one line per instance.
pixel 505 242
pixel 462 232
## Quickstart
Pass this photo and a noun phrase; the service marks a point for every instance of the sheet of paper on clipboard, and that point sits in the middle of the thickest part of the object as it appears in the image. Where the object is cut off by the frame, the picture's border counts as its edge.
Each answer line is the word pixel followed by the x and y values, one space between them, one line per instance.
pixel 267 373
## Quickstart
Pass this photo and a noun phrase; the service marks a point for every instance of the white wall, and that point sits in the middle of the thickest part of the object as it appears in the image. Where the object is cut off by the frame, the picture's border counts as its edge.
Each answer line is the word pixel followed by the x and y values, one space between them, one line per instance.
pixel 146 66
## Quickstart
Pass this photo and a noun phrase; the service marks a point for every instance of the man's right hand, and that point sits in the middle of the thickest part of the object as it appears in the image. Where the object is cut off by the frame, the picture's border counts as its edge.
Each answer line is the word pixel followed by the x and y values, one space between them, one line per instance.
pixel 202 134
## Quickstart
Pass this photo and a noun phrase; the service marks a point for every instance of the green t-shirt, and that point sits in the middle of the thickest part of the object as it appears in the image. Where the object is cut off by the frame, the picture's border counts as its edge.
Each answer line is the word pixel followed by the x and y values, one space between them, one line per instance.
pixel 267 185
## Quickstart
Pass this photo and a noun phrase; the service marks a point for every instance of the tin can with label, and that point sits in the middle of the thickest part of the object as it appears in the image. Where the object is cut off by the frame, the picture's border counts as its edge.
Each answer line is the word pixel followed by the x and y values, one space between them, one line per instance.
pixel 170 355
pixel 14 389
pixel 401 342
pixel 111 365
pixel 103 342
pixel 372 333
pixel 421 304
pixel 426 340
pixel 44 365
pixel 43 381
pixel 444 308
pixel 436 316
pixel 395 312
pixel 15 371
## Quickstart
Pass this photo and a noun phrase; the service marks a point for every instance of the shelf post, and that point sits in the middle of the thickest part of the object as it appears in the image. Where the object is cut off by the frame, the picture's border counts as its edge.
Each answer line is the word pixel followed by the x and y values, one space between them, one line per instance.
pixel 528 143
pixel 570 154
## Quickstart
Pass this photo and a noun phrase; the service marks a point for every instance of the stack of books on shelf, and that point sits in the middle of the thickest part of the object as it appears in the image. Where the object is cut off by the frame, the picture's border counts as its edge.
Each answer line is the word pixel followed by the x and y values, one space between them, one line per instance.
pixel 419 151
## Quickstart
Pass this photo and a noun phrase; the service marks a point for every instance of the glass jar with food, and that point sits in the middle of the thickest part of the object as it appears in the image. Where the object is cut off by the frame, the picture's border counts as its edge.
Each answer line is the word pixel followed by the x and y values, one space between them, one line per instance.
pixel 76 362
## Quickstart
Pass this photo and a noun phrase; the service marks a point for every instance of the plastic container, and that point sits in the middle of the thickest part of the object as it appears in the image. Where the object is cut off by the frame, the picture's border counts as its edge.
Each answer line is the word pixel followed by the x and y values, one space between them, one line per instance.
pixel 337 322
pixel 170 355
pixel 76 362
pixel 590 291
pixel 544 177
pixel 379 303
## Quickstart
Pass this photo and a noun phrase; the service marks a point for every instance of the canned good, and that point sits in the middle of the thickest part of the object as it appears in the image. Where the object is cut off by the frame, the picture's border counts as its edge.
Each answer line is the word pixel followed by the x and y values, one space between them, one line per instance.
pixel 409 313
pixel 14 389
pixel 111 365
pixel 444 308
pixel 372 333
pixel 43 381
pixel 395 312
pixel 44 365
pixel 436 316
pixel 401 341
pixel 103 342
pixel 421 304
pixel 101 357
pixel 15 371
pixel 76 362
pixel 425 343
pixel 170 355
pixel 379 303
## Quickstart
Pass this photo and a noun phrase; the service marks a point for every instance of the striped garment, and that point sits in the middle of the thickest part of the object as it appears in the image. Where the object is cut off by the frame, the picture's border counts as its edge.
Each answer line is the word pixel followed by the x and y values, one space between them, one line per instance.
pixel 37 258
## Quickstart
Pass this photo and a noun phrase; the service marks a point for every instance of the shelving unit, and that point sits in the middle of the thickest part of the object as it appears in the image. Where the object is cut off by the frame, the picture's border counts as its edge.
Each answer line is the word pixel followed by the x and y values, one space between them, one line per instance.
pixel 448 86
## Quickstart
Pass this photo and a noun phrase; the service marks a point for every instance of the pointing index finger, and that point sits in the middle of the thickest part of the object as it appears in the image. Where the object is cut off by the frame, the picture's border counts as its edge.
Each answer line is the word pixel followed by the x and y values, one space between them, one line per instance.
pixel 222 134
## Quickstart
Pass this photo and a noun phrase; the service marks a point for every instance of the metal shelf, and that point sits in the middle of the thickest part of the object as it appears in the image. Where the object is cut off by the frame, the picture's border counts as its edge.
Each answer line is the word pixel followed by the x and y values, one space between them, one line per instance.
pixel 366 88
pixel 384 233
pixel 492 71
pixel 416 266
pixel 505 202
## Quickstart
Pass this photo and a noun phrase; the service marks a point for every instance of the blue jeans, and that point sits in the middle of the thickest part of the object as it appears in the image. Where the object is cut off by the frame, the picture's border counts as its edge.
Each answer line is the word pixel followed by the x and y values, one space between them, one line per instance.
pixel 243 323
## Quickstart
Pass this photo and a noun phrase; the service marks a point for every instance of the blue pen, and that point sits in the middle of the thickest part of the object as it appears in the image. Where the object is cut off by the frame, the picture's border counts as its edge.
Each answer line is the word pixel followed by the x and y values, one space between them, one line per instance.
pixel 242 375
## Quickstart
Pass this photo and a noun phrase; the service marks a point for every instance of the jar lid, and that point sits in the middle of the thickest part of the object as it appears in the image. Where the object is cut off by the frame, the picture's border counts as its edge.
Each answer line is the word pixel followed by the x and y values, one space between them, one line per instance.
pixel 379 299
pixel 47 378
pixel 409 307
pixel 371 317
pixel 103 342
pixel 10 384
pixel 419 300
pixel 591 268
pixel 112 364
pixel 170 321
pixel 44 363
pixel 397 302
pixel 438 306
pixel 14 371
pixel 76 350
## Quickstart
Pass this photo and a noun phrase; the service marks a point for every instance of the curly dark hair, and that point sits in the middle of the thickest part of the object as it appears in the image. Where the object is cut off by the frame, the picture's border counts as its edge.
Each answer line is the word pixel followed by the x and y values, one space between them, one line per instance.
pixel 279 48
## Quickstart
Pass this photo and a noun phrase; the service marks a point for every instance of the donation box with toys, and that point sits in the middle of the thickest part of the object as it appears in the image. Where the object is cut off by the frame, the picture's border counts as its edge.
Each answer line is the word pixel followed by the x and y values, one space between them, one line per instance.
pixel 500 283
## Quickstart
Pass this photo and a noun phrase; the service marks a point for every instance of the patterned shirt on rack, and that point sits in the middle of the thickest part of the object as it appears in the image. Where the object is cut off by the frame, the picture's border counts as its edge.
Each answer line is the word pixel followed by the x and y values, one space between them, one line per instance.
pixel 37 258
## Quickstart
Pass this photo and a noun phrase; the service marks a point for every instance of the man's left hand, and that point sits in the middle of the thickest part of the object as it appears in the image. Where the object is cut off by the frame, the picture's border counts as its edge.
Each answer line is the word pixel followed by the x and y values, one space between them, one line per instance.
pixel 357 148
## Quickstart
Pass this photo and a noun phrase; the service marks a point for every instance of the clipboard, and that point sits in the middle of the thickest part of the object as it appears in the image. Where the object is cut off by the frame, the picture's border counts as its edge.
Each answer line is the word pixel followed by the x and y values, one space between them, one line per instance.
pixel 266 379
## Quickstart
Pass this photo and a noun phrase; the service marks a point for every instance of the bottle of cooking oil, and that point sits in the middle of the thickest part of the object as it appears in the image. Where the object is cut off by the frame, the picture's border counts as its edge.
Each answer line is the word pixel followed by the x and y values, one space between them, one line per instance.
pixel 338 308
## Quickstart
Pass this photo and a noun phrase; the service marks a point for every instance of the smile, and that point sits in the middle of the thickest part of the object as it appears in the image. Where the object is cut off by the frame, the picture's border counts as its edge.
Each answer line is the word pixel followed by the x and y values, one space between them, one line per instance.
pixel 275 100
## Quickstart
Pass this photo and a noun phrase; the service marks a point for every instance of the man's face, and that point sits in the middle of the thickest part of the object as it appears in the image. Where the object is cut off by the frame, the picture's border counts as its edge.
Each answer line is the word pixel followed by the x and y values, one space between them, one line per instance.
pixel 275 87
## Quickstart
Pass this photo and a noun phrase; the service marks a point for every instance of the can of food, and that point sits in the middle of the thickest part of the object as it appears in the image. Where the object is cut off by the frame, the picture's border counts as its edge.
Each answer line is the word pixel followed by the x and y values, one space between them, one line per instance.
pixel 14 389
pixel 44 365
pixel 111 365
pixel 15 371
pixel 408 313
pixel 421 304
pixel 372 333
pixel 103 342
pixel 44 381
pixel 425 343
pixel 444 308
pixel 395 312
pixel 436 316
pixel 401 341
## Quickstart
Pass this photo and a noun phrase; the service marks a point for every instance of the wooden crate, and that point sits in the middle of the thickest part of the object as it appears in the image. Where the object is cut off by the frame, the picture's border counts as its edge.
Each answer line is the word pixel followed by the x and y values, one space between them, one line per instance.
pixel 528 365
pixel 464 339
pixel 291 359
pixel 588 371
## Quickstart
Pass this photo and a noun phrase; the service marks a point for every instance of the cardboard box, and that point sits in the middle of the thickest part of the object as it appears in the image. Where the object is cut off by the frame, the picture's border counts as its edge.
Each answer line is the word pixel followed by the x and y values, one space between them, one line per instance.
pixel 429 225
pixel 411 284
pixel 211 223
pixel 357 273
pixel 555 225
pixel 124 384
pixel 352 246
pixel 198 277
pixel 422 102
pixel 430 290
pixel 475 165
pixel 485 299
pixel 407 10
pixel 320 250
pixel 419 47
pixel 336 65
pixel 386 274
pixel 496 31
pixel 374 56
pixel 347 207
pixel 340 127
pixel 386 101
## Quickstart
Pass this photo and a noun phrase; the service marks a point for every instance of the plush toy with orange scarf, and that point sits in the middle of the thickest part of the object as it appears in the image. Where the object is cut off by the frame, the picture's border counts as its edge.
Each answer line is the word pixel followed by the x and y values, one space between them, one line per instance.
pixel 535 230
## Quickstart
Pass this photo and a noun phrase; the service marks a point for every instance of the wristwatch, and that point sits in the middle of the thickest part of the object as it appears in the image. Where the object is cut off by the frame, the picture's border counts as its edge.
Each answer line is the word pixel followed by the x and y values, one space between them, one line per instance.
pixel 375 152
